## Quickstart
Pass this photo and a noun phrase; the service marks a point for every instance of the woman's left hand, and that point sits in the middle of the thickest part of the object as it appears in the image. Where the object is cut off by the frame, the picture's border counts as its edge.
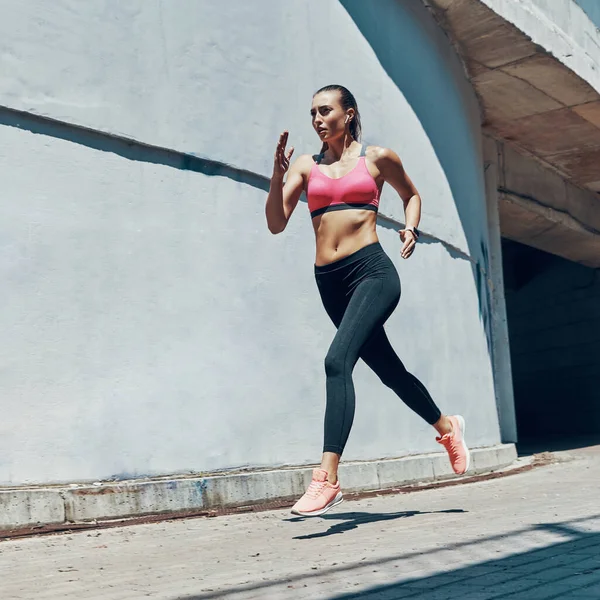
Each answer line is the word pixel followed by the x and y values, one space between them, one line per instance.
pixel 410 240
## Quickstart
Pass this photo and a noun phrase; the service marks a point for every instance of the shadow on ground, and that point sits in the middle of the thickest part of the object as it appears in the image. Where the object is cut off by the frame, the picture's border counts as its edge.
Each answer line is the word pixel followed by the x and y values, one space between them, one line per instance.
pixel 351 520
pixel 567 570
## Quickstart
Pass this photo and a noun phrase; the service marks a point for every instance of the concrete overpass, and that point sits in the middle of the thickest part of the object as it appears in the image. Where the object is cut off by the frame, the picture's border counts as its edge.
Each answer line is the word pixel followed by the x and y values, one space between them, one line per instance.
pixel 537 76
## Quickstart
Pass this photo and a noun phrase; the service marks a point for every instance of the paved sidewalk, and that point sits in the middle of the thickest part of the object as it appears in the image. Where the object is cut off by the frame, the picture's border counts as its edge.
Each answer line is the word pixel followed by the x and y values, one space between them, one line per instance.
pixel 530 536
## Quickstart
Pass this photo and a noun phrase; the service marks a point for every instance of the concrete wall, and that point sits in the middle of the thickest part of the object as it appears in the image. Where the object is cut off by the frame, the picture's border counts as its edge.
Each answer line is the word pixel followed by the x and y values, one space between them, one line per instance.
pixel 554 327
pixel 562 28
pixel 539 208
pixel 152 324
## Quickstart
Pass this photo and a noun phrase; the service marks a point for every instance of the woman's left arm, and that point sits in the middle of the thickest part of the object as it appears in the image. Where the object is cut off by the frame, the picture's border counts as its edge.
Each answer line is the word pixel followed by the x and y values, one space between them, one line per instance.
pixel 392 171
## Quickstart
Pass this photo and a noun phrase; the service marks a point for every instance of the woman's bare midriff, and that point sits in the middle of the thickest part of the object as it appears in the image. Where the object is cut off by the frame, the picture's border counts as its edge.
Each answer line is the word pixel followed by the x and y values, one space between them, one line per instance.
pixel 342 232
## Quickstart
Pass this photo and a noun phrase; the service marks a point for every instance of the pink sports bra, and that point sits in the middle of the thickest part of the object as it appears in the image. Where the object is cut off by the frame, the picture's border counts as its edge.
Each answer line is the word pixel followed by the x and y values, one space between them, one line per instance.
pixel 355 190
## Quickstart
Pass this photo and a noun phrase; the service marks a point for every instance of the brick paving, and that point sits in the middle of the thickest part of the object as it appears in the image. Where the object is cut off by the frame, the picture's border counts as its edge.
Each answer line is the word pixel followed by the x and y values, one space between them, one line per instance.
pixel 531 536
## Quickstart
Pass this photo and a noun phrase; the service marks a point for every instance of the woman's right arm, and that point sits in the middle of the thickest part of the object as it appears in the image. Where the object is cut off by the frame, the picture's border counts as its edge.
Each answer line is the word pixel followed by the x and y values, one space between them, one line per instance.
pixel 283 198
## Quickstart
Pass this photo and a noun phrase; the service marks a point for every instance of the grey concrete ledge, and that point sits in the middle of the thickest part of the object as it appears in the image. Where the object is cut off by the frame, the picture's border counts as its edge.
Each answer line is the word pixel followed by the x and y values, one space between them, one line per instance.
pixel 31 506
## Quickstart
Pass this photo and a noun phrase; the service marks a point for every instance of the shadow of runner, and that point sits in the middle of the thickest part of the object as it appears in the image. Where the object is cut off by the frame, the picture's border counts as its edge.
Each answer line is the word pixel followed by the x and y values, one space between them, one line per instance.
pixel 562 570
pixel 351 520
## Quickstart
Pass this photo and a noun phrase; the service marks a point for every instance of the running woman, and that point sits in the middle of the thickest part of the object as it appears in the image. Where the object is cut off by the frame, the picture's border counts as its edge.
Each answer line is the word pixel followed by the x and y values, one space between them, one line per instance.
pixel 357 281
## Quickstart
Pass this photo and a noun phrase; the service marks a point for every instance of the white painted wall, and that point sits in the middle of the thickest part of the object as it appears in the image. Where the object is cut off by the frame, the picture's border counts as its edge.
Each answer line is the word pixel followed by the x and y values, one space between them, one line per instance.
pixel 154 325
pixel 171 77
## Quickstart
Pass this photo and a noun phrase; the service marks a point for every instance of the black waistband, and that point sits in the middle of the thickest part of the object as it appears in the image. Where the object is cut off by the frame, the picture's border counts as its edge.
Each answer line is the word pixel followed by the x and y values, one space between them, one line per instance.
pixel 369 250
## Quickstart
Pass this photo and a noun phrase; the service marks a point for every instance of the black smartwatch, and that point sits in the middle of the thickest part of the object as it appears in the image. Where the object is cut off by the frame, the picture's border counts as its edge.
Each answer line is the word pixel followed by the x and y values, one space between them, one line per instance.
pixel 416 232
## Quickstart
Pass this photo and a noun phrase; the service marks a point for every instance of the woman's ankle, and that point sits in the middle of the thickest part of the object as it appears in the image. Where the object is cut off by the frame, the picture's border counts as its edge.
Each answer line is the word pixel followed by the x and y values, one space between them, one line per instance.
pixel 329 463
pixel 443 425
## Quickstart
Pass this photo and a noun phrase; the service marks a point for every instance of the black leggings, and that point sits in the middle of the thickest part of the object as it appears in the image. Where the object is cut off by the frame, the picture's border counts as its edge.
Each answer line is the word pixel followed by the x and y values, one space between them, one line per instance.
pixel 359 293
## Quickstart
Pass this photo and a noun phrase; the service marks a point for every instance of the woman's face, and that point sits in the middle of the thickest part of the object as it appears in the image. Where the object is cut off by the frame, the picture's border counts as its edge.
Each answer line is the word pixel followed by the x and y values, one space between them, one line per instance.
pixel 328 116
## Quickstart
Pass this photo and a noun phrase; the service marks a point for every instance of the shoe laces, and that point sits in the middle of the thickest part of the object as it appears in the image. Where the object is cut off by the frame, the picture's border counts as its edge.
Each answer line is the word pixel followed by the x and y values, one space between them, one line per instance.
pixel 315 488
pixel 449 441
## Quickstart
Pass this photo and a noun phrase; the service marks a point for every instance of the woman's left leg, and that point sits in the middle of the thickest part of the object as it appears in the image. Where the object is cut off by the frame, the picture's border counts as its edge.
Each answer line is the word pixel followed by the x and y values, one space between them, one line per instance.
pixel 371 303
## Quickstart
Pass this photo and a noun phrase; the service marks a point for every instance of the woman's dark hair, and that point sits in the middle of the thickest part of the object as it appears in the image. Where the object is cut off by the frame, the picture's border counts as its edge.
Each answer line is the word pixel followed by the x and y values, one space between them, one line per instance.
pixel 347 101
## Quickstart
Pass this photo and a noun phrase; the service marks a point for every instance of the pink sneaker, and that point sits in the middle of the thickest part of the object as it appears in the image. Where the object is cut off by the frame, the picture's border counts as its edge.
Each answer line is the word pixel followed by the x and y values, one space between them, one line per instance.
pixel 319 497
pixel 460 457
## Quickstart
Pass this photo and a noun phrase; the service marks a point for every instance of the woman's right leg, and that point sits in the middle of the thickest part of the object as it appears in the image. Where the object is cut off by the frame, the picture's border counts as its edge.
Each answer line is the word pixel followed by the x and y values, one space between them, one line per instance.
pixel 379 355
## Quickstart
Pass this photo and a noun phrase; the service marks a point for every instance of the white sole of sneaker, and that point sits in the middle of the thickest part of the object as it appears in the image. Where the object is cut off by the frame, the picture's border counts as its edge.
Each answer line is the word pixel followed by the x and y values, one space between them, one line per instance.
pixel 315 513
pixel 461 422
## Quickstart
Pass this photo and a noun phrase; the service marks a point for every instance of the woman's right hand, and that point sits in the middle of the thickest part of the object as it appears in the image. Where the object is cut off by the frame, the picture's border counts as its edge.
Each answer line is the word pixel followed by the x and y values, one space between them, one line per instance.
pixel 282 159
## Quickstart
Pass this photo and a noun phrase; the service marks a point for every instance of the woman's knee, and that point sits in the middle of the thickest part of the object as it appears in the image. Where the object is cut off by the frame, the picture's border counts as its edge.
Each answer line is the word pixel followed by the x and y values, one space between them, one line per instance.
pixel 335 364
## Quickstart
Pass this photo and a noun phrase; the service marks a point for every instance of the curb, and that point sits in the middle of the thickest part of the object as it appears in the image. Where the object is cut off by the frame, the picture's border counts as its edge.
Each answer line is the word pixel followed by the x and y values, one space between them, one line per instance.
pixel 82 503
